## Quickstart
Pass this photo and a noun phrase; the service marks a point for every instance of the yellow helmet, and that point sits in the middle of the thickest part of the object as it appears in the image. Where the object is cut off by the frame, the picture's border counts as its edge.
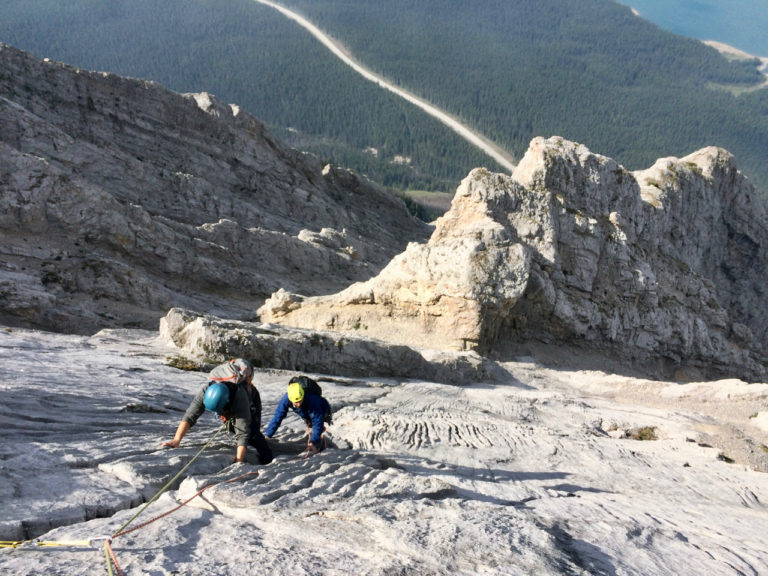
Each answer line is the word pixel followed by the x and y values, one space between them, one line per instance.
pixel 295 392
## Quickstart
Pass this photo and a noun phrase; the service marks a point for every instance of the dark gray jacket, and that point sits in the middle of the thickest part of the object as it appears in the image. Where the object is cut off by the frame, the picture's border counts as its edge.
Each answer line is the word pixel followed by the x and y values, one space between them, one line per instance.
pixel 243 411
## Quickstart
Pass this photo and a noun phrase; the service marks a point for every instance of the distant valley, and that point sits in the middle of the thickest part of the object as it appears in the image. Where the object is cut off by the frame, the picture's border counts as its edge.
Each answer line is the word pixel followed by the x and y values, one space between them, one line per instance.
pixel 593 73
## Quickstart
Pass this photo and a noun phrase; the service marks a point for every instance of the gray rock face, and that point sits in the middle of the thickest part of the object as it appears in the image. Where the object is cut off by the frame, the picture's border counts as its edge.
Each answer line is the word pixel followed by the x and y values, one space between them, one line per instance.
pixel 120 199
pixel 664 267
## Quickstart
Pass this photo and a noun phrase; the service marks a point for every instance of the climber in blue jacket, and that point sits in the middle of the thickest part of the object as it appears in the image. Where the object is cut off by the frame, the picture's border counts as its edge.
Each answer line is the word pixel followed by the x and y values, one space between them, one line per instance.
pixel 313 409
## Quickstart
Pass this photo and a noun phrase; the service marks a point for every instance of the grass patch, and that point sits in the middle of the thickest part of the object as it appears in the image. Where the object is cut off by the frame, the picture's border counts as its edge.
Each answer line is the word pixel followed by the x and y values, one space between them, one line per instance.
pixel 427 205
pixel 644 433
pixel 182 363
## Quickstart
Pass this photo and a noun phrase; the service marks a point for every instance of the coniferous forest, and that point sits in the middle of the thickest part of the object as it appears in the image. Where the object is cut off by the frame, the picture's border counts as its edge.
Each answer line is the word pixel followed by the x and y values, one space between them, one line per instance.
pixel 586 70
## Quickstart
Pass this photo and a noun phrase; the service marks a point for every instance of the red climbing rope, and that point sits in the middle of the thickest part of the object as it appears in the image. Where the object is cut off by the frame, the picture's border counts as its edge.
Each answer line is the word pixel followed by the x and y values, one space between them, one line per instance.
pixel 187 501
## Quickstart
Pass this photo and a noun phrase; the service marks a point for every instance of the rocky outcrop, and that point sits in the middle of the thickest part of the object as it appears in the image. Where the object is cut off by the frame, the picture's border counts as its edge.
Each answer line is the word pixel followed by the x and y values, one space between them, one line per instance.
pixel 450 293
pixel 120 199
pixel 204 340
pixel 665 266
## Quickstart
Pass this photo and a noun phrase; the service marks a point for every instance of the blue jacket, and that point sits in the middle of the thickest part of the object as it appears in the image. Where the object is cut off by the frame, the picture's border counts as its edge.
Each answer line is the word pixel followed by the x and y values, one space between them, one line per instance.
pixel 313 410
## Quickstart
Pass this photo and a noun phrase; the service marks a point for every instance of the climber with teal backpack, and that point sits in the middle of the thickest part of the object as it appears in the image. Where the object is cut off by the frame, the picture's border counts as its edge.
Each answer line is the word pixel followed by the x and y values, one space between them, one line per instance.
pixel 230 393
pixel 304 396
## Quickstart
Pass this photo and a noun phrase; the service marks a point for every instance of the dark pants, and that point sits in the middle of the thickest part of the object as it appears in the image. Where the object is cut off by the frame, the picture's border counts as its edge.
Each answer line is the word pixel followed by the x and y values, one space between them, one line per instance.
pixel 258 441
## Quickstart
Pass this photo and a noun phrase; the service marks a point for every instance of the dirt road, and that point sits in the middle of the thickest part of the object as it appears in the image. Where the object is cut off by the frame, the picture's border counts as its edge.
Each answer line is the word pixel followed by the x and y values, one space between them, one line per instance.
pixel 478 140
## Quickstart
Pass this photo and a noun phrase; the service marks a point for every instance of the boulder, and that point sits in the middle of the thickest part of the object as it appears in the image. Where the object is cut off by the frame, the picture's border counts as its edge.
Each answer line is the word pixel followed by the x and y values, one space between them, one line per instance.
pixel 204 340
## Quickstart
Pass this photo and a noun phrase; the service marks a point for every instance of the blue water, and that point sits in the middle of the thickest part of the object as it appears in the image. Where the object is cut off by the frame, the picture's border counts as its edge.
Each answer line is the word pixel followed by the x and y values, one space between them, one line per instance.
pixel 741 23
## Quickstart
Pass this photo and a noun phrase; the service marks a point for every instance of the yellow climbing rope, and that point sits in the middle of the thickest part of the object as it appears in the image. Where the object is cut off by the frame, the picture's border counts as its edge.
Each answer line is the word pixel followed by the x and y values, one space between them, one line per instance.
pixel 53 543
